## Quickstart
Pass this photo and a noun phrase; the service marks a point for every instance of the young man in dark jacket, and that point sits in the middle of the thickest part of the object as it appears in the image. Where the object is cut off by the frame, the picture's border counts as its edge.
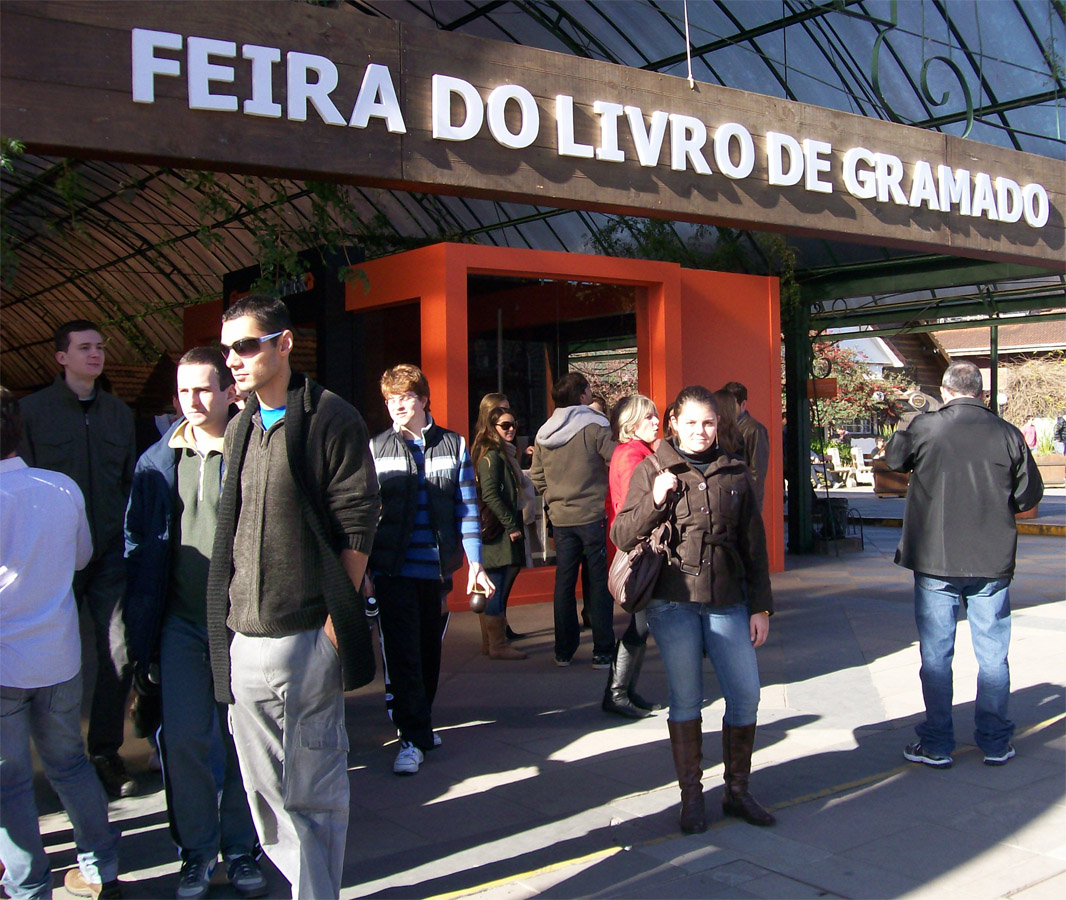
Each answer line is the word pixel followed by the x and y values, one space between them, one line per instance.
pixel 429 519
pixel 296 522
pixel 77 428
pixel 970 473
pixel 756 440
pixel 170 532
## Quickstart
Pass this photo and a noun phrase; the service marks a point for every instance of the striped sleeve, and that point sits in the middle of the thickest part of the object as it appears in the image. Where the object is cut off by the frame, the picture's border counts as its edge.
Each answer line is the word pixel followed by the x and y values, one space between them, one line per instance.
pixel 466 511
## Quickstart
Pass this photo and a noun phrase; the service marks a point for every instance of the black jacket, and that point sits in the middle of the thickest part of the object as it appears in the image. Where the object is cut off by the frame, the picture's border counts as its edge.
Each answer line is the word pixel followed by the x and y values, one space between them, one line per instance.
pixel 970 473
pixel 95 447
pixel 719 555
pixel 756 451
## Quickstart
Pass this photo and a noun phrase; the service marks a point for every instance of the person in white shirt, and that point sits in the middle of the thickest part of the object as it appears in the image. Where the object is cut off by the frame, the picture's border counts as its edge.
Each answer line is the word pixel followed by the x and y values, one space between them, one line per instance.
pixel 44 538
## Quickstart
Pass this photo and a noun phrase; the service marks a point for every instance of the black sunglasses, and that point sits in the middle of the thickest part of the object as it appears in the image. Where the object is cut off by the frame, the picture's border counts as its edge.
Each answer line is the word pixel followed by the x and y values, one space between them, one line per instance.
pixel 507 426
pixel 249 346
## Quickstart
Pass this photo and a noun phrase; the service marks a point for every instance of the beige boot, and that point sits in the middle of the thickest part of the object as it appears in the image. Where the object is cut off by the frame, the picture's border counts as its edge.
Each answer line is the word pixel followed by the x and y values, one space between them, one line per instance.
pixel 498 646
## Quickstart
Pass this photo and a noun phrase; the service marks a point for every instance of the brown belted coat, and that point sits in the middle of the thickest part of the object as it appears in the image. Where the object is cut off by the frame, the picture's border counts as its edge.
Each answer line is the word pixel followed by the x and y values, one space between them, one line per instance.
pixel 719 551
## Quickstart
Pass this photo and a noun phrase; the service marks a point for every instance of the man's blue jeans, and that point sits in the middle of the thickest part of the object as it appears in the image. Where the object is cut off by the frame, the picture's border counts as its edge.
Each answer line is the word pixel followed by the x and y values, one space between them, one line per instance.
pixel 683 633
pixel 571 544
pixel 936 609
pixel 52 717
pixel 195 743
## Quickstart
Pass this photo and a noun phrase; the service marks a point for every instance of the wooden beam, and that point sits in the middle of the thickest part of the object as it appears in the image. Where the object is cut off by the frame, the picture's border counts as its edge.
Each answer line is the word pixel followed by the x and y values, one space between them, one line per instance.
pixel 66 89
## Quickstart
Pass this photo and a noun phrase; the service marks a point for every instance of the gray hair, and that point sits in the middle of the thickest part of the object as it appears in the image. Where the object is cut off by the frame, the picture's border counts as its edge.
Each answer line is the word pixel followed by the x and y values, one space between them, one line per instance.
pixel 963 378
pixel 630 413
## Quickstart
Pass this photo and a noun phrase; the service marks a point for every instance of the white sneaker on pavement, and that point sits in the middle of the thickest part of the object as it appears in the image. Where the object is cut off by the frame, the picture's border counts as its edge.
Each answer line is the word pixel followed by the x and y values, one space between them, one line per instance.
pixel 408 759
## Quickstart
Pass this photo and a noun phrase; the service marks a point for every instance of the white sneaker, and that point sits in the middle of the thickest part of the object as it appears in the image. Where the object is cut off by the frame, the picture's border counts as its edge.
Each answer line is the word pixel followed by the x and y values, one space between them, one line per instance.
pixel 407 760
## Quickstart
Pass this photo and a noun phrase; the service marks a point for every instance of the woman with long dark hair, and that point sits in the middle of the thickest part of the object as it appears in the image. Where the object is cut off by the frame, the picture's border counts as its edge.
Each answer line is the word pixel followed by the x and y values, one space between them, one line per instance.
pixel 499 480
pixel 730 438
pixel 712 597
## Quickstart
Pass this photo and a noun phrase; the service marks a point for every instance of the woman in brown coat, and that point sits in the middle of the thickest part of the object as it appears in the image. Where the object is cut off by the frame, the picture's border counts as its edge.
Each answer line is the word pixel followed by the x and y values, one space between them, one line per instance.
pixel 713 597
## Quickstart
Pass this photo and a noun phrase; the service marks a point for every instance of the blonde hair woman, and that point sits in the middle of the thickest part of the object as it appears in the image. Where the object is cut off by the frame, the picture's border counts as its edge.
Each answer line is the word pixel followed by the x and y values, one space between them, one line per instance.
pixel 635 425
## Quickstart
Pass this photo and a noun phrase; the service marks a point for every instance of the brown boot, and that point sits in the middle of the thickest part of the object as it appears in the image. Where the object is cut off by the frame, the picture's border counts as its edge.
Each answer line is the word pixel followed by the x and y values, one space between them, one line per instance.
pixel 484 635
pixel 737 744
pixel 686 742
pixel 498 646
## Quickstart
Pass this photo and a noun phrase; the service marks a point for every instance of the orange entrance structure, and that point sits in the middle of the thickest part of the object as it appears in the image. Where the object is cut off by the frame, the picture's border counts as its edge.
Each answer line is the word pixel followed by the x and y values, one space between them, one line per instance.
pixel 693 327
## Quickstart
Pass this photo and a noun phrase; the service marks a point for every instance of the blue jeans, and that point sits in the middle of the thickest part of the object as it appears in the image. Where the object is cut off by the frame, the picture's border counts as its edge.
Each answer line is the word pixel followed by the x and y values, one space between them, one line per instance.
pixel 52 717
pixel 503 580
pixel 684 632
pixel 936 609
pixel 572 543
pixel 194 744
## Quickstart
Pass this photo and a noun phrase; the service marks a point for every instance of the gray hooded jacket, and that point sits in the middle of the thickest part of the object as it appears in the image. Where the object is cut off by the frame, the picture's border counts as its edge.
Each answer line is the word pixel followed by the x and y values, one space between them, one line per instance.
pixel 570 458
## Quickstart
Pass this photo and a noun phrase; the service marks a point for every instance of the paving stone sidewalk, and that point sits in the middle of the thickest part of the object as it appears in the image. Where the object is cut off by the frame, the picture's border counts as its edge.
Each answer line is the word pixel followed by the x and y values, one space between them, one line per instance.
pixel 536 792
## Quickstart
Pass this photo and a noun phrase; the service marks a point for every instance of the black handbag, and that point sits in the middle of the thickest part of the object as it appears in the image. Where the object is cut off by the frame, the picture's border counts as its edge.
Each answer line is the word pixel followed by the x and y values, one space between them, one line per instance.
pixel 491 526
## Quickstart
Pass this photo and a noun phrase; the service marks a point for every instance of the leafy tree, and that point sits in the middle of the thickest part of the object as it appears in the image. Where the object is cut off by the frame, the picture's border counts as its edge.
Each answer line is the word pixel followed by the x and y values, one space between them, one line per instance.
pixel 860 393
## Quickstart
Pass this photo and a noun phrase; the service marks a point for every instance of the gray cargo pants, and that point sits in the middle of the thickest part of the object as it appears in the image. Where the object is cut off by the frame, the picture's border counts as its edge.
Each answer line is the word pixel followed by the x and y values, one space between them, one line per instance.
pixel 288 726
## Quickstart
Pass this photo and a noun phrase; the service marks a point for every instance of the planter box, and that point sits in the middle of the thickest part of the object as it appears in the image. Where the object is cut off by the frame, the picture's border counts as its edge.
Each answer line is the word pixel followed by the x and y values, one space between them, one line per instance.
pixel 1052 469
pixel 888 483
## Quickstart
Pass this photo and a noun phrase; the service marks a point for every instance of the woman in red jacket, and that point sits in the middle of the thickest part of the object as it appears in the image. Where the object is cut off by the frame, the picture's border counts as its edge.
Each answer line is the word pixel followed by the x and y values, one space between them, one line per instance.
pixel 635 425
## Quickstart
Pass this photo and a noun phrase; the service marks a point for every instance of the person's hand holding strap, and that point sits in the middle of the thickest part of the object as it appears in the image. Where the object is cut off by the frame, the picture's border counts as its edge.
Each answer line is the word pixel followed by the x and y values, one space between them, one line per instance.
pixel 663 484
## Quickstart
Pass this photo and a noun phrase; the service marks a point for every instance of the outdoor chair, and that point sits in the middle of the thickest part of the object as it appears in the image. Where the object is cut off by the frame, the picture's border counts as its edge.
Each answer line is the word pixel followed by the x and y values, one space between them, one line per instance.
pixel 864 473
pixel 845 474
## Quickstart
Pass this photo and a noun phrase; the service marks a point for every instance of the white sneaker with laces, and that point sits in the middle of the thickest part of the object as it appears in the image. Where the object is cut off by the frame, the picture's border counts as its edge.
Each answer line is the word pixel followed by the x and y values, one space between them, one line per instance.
pixel 408 759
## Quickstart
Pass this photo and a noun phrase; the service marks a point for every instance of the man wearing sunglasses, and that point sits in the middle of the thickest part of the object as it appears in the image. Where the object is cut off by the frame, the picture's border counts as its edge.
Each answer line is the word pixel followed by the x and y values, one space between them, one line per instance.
pixel 296 521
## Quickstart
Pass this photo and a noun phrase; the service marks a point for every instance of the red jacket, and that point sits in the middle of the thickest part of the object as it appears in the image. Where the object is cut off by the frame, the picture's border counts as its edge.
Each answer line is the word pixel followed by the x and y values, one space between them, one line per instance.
pixel 625 460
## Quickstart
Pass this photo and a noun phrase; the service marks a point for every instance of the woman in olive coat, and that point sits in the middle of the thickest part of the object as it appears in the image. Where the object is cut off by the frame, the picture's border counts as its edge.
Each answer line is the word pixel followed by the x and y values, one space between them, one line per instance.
pixel 503 554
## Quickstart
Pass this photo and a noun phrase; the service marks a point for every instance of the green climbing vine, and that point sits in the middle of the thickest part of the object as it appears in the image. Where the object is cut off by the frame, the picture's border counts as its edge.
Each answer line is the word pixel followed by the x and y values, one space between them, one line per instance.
pixel 10 148
pixel 705 247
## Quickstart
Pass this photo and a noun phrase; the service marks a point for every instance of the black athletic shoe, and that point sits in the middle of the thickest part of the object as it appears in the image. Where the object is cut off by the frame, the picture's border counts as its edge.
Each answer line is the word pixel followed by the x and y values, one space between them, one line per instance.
pixel 1000 759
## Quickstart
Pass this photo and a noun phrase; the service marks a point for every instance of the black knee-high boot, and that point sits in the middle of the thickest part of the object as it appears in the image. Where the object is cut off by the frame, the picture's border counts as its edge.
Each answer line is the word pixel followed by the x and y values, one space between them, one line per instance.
pixel 624 667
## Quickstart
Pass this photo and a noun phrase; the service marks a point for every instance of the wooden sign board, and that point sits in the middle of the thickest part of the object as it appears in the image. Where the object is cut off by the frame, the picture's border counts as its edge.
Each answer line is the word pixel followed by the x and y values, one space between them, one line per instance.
pixel 316 93
pixel 821 389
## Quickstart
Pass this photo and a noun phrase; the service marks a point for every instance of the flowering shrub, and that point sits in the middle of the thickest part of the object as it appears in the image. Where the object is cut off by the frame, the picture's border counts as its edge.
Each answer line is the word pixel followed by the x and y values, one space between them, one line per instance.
pixel 857 386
